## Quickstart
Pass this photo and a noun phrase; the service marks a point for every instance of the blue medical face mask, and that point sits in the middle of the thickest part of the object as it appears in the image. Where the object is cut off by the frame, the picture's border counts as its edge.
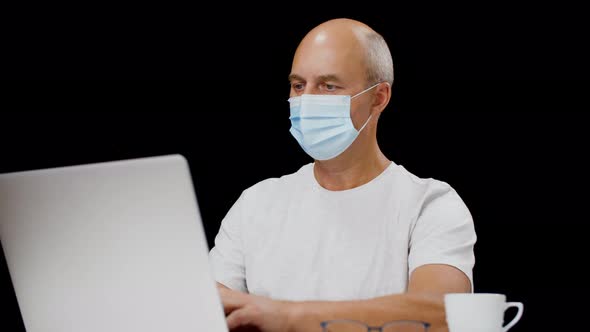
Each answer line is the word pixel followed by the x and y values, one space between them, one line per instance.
pixel 321 124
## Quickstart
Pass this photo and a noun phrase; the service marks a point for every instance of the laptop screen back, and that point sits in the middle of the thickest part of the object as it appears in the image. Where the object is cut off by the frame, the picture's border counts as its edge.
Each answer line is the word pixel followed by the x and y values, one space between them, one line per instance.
pixel 109 247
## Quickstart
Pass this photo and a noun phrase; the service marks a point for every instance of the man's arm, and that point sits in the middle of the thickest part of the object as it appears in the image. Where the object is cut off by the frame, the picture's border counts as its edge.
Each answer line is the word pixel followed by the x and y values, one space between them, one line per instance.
pixel 439 278
pixel 423 301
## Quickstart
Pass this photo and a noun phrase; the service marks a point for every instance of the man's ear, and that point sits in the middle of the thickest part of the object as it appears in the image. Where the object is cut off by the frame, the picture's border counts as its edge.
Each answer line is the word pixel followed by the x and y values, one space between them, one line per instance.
pixel 382 97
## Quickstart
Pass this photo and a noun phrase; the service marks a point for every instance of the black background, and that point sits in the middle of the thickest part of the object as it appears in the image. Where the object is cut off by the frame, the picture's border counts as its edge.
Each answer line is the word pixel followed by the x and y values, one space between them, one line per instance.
pixel 490 99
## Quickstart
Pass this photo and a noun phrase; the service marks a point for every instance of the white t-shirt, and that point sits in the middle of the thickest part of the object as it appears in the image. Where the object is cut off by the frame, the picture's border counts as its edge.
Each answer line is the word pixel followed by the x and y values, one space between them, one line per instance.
pixel 289 238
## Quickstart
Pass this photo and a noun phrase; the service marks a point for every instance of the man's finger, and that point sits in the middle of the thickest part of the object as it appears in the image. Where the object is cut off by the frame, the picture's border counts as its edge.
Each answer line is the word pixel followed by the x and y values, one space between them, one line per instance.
pixel 231 299
pixel 239 318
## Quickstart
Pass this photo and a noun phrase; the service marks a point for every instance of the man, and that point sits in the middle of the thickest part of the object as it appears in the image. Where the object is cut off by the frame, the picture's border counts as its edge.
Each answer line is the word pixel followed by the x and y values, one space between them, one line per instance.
pixel 353 235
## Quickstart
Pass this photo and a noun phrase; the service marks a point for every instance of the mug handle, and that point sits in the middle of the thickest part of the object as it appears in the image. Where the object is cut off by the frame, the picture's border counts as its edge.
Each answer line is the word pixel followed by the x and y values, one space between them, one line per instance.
pixel 516 318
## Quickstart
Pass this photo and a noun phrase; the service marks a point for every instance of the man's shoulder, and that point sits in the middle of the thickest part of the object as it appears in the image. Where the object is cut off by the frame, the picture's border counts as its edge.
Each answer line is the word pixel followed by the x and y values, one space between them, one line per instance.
pixel 280 184
pixel 436 195
pixel 419 193
pixel 421 184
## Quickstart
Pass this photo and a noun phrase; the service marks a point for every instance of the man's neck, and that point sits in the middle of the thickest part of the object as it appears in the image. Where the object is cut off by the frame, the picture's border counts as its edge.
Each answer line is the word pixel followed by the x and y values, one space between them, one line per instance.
pixel 351 170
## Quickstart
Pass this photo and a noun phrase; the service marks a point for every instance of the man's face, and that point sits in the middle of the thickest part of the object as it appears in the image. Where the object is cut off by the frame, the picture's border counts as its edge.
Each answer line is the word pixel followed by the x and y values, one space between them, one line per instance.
pixel 331 64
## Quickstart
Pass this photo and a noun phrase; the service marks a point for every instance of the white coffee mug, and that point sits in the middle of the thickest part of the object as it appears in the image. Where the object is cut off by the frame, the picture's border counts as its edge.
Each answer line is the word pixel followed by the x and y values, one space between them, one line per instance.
pixel 479 312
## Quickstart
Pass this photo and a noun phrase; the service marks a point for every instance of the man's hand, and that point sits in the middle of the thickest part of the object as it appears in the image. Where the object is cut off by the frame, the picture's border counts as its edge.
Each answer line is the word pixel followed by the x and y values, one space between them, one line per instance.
pixel 247 312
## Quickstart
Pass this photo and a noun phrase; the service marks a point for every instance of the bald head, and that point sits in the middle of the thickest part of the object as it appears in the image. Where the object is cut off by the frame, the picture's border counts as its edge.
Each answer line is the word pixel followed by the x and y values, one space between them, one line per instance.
pixel 347 45
pixel 341 28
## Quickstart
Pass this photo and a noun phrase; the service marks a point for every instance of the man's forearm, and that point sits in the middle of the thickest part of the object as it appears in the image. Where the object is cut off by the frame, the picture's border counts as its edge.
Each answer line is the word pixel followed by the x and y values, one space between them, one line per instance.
pixel 306 316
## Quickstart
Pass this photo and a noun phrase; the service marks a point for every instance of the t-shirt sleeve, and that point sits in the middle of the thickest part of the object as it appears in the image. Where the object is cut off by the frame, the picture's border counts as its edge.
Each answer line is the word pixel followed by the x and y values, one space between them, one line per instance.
pixel 227 256
pixel 443 233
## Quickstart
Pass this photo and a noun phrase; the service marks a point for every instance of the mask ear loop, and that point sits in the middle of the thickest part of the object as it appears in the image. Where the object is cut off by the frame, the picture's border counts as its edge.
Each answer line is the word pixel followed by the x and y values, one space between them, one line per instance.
pixel 370 115
pixel 366 123
pixel 365 90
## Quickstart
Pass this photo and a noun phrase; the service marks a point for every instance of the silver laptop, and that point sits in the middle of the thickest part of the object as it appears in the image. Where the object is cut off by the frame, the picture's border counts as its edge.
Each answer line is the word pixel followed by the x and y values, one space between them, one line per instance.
pixel 109 247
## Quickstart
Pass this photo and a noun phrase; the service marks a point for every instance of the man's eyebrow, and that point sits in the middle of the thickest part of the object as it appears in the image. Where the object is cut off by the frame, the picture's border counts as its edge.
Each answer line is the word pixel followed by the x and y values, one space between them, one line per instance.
pixel 321 78
pixel 329 78
pixel 295 77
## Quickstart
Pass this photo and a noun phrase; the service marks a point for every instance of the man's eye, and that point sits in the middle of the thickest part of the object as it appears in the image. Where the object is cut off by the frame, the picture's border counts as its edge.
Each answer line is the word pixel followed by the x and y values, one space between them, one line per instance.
pixel 298 86
pixel 329 87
